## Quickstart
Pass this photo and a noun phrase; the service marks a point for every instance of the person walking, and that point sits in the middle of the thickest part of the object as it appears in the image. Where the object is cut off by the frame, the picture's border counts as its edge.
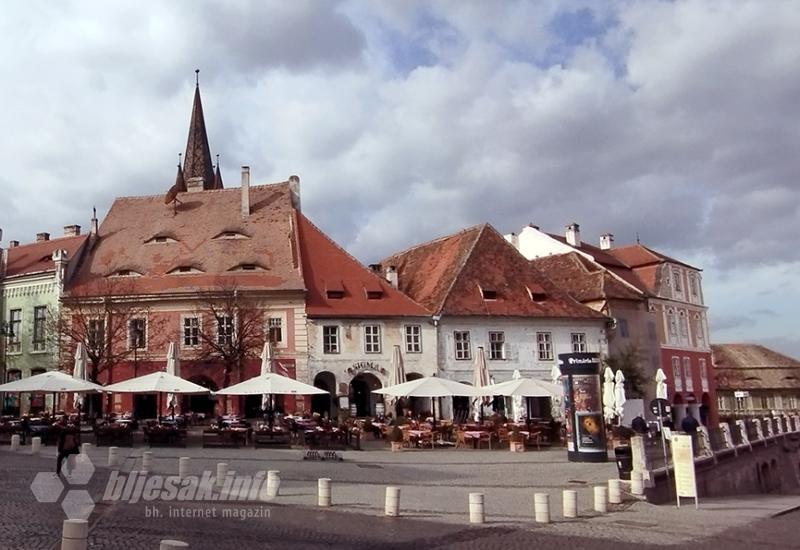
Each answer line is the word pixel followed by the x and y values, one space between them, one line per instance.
pixel 67 443
pixel 689 423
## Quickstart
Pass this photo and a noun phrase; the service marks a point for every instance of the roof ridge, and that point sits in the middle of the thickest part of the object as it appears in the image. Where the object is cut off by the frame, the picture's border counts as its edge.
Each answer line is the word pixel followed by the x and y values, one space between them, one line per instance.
pixel 204 191
pixel 460 269
pixel 434 241
pixel 54 239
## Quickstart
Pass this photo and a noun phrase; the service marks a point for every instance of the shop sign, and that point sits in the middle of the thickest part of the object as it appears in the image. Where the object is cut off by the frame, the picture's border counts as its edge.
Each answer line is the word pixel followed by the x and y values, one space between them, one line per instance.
pixel 366 366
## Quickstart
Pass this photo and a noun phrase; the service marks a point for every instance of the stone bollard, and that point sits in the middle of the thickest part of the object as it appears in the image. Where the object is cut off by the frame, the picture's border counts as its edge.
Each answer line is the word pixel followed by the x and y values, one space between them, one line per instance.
pixel 36 445
pixel 172 544
pixel 324 491
pixel 541 507
pixel 15 442
pixel 614 491
pixel 183 467
pixel 392 506
pixel 74 534
pixel 147 461
pixel 273 483
pixel 85 448
pixel 113 457
pixel 222 473
pixel 570 503
pixel 476 511
pixel 637 483
pixel 601 499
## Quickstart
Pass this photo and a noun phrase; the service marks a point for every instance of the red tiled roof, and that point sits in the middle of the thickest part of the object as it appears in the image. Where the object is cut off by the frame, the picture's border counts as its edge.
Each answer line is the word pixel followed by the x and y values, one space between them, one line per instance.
pixel 751 366
pixel 270 243
pixel 447 275
pixel 326 266
pixel 601 256
pixel 37 257
pixel 585 280
pixel 637 255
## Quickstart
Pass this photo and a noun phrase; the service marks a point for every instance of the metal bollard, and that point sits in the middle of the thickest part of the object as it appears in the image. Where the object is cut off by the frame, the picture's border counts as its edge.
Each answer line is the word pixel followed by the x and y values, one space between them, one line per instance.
pixel 601 499
pixel 541 507
pixel 476 511
pixel 222 472
pixel 273 483
pixel 74 534
pixel 147 461
pixel 113 457
pixel 183 466
pixel 570 503
pixel 85 448
pixel 15 442
pixel 172 544
pixel 637 482
pixel 324 491
pixel 36 445
pixel 392 506
pixel 614 491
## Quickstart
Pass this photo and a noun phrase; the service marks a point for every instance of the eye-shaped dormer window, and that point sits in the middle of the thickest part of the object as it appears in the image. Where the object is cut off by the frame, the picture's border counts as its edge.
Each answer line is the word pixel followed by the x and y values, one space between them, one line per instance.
pixel 248 267
pixel 230 235
pixel 161 239
pixel 125 273
pixel 184 270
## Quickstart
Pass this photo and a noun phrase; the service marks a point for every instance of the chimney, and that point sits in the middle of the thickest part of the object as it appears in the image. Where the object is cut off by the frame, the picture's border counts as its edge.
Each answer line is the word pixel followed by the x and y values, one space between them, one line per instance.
pixel 95 229
pixel 514 240
pixel 391 275
pixel 573 235
pixel 245 191
pixel 376 268
pixel 294 186
pixel 41 237
pixel 13 244
pixel 606 241
pixel 72 230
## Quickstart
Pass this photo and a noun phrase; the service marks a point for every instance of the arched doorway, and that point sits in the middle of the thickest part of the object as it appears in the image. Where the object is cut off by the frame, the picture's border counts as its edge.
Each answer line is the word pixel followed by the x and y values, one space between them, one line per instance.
pixel 325 404
pixel 203 403
pixel 462 406
pixel 361 395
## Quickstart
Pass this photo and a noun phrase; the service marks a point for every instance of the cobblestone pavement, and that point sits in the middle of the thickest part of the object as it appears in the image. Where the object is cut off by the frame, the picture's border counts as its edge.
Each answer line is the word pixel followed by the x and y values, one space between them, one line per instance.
pixel 292 522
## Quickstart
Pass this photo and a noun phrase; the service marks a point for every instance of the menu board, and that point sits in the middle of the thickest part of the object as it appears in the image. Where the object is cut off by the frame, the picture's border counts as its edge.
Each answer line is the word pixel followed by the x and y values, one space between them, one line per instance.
pixel 683 462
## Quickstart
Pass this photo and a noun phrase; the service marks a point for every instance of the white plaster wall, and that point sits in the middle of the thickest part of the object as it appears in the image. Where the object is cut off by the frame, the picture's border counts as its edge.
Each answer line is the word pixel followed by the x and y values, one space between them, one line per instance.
pixel 534 243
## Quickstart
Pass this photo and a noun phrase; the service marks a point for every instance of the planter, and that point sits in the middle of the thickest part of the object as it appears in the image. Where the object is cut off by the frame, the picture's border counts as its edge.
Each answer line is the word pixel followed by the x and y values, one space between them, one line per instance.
pixel 397 446
pixel 517 447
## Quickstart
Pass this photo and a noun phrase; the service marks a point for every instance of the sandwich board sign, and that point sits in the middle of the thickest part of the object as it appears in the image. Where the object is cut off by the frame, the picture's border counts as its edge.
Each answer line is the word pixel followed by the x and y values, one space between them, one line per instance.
pixel 683 461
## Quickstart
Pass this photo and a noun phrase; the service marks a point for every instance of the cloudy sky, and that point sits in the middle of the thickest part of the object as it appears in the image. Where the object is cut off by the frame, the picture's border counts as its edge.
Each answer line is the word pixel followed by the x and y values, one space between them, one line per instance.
pixel 407 120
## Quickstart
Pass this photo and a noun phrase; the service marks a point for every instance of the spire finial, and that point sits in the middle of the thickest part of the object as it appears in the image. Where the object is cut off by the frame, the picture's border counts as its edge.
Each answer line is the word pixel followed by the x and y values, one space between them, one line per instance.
pixel 637 238
pixel 94 212
pixel 197 77
pixel 217 160
pixel 179 159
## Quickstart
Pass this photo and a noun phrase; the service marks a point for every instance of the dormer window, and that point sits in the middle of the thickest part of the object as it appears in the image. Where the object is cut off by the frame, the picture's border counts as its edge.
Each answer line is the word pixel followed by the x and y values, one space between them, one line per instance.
pixel 248 267
pixel 125 273
pixel 488 293
pixel 335 294
pixel 536 293
pixel 161 239
pixel 334 290
pixel 374 294
pixel 184 269
pixel 232 234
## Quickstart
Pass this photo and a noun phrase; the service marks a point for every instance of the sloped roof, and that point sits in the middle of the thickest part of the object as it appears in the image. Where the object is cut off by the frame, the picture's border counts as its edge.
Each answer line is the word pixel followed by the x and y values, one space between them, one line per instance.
pixel 603 257
pixel 448 275
pixel 638 255
pixel 28 259
pixel 752 366
pixel 266 239
pixel 326 266
pixel 584 280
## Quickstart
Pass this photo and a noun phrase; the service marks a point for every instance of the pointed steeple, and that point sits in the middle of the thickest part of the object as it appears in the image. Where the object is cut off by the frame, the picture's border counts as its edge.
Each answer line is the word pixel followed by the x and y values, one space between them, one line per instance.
pixel 198 172
pixel 217 177
pixel 180 183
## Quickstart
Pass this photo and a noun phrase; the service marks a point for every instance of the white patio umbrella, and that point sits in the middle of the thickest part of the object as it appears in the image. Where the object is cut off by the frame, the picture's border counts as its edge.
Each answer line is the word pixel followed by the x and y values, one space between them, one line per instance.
pixel 555 375
pixel 173 368
pixel 78 373
pixel 52 381
pixel 480 379
pixel 271 383
pixel 619 395
pixel 518 401
pixel 397 373
pixel 556 403
pixel 661 384
pixel 609 410
pixel 523 387
pixel 430 386
pixel 156 382
pixel 266 368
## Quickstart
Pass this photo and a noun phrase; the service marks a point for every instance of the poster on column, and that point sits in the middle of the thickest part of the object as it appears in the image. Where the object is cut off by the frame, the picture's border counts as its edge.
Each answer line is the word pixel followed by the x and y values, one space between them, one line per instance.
pixel 683 462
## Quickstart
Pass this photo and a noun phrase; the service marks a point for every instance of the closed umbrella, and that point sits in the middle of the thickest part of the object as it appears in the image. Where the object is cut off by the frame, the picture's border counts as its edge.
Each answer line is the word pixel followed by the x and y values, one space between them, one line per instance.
pixel 397 372
pixel 556 403
pixel 78 373
pixel 266 368
pixel 619 395
pixel 518 401
pixel 608 394
pixel 479 380
pixel 173 368
pixel 661 384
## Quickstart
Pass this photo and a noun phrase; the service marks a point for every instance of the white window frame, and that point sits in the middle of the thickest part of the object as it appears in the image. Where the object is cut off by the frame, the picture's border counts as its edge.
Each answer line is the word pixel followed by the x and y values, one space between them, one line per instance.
pixel 688 379
pixel 281 318
pixel 145 336
pixel 14 342
pixel 677 370
pixel 39 345
pixel 89 331
pixel 497 353
pixel 677 284
pixel 462 345
pixel 198 328
pixel 331 343
pixel 413 338
pixel 578 340
pixel 219 335
pixel 372 339
pixel 544 346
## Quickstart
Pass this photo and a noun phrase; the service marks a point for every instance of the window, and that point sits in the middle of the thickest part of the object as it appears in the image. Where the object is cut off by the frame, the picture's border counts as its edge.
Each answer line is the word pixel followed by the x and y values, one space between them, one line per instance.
pixel 330 339
pixel 497 345
pixel 693 284
pixel 224 331
pixel 413 339
pixel 191 331
pixel 703 370
pixel 623 328
pixel 578 342
pixel 676 373
pixel 544 342
pixel 372 339
pixel 672 326
pixel 14 327
pixel 96 337
pixel 463 349
pixel 687 374
pixel 700 329
pixel 684 325
pixel 489 294
pixel 137 334
pixel 275 327
pixel 39 320
pixel 676 280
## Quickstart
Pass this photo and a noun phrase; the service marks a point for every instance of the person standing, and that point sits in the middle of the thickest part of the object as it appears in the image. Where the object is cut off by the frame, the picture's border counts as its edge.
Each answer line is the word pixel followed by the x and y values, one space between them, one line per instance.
pixel 67 443
pixel 690 423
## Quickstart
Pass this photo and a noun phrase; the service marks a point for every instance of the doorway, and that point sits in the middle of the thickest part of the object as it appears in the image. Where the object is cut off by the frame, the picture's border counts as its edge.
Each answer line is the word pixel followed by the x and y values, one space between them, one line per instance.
pixel 361 396
pixel 145 405
pixel 325 404
pixel 202 403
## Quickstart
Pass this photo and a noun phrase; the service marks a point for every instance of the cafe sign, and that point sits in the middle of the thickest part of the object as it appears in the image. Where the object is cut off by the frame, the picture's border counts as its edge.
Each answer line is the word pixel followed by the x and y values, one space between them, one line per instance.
pixel 366 366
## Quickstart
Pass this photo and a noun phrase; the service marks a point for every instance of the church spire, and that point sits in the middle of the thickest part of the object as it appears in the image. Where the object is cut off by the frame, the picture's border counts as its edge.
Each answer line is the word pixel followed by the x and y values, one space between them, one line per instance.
pixel 217 176
pixel 180 183
pixel 198 172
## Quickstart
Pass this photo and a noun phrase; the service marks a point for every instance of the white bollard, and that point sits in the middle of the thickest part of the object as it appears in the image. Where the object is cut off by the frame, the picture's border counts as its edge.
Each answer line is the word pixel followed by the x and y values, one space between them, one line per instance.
pixel 222 473
pixel 113 457
pixel 36 445
pixel 614 491
pixel 85 448
pixel 570 503
pixel 601 499
pixel 476 511
pixel 273 483
pixel 183 466
pixel 541 507
pixel 637 482
pixel 172 544
pixel 324 491
pixel 74 534
pixel 147 461
pixel 15 442
pixel 392 506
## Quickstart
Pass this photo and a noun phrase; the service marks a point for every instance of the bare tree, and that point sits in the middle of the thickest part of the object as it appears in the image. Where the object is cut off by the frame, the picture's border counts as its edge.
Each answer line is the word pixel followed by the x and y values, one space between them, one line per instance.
pixel 627 360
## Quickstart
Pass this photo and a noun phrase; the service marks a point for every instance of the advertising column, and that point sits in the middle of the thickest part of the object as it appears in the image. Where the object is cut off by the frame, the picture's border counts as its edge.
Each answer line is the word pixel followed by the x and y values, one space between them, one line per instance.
pixel 583 409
